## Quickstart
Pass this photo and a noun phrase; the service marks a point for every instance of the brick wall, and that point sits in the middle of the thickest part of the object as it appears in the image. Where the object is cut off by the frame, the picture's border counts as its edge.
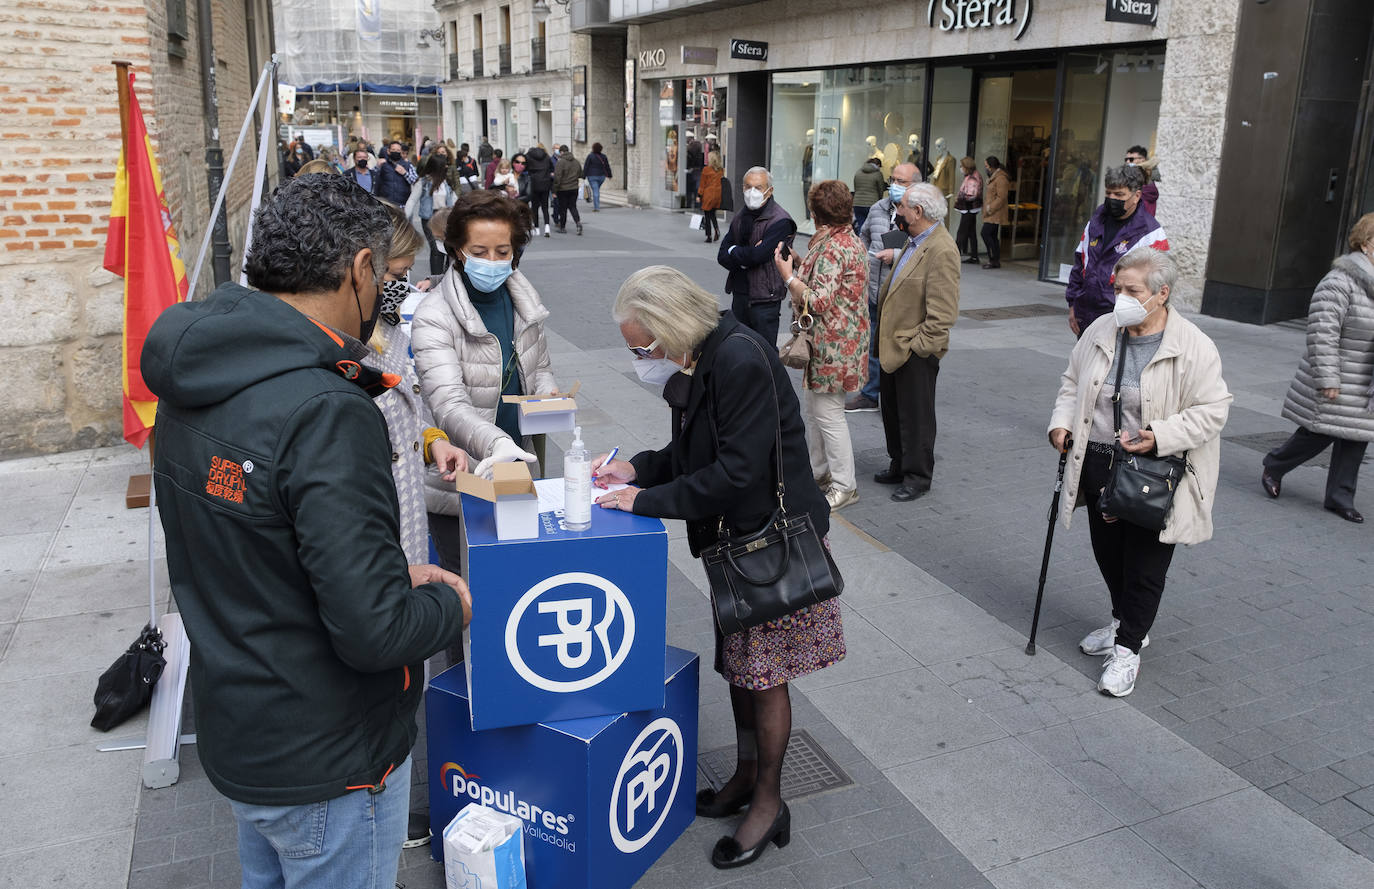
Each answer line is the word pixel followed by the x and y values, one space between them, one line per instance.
pixel 59 123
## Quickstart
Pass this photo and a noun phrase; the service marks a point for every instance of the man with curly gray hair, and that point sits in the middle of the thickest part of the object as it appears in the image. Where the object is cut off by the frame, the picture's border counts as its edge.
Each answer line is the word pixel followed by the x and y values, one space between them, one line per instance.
pixel 273 474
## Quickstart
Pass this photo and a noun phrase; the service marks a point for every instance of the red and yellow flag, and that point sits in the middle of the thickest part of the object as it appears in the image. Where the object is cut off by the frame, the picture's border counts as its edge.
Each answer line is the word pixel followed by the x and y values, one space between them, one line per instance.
pixel 142 247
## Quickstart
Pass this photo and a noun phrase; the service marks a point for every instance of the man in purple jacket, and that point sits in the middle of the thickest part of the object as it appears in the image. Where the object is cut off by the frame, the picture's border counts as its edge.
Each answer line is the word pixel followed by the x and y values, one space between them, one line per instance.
pixel 1116 228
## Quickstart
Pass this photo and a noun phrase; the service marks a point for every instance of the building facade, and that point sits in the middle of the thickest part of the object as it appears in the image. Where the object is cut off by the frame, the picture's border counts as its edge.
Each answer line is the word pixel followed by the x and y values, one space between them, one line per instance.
pixel 520 74
pixel 1056 89
pixel 59 121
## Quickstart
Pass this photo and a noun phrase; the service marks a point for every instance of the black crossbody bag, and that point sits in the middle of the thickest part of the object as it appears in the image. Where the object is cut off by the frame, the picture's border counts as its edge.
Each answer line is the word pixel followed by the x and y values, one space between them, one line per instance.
pixel 779 569
pixel 1140 487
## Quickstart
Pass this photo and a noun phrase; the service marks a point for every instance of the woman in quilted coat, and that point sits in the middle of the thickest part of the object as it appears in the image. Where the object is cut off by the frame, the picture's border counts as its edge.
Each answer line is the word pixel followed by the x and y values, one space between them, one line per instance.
pixel 831 284
pixel 1330 398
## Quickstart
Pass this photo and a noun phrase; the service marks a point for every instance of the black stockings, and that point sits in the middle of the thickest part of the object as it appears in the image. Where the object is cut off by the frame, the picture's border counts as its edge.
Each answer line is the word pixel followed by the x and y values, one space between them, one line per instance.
pixel 763 724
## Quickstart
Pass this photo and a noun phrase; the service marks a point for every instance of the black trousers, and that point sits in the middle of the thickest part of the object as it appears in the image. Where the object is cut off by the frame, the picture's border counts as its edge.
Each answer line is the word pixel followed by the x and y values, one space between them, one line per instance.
pixel 438 262
pixel 907 401
pixel 709 223
pixel 860 216
pixel 1132 560
pixel 539 200
pixel 760 317
pixel 992 239
pixel 967 239
pixel 1305 444
pixel 567 203
pixel 447 533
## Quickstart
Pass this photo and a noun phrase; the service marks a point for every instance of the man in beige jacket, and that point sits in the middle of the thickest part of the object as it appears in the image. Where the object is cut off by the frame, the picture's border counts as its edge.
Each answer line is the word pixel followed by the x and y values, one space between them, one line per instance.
pixel 917 306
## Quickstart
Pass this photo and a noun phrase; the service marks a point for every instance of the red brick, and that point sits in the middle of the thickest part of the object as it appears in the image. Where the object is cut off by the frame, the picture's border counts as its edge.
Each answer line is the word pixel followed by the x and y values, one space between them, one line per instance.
pixel 61 205
pixel 80 243
pixel 52 245
pixel 21 245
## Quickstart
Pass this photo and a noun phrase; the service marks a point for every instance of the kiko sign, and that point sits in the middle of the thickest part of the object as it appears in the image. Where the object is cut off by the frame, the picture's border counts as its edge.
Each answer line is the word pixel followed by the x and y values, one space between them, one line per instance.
pixel 958 15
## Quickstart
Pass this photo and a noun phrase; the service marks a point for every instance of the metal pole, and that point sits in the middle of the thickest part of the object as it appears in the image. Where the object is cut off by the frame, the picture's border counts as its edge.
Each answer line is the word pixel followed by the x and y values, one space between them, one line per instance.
pixel 214 155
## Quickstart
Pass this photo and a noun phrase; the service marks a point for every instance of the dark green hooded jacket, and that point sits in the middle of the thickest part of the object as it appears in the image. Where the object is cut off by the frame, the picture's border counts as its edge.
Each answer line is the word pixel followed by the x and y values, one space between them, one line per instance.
pixel 273 475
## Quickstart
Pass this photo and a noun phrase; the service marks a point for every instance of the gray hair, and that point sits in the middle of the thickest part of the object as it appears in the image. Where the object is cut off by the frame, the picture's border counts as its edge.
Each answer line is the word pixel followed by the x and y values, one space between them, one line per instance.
pixel 752 170
pixel 929 198
pixel 1160 268
pixel 1124 176
pixel 670 307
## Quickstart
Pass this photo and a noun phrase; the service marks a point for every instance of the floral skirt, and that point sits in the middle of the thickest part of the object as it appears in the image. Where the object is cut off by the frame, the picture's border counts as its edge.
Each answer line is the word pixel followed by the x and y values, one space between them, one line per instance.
pixel 780 650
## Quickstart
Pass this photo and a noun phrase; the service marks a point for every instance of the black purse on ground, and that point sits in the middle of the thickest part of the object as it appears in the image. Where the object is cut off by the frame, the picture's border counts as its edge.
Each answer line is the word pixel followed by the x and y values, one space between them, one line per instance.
pixel 126 686
pixel 779 569
pixel 1140 487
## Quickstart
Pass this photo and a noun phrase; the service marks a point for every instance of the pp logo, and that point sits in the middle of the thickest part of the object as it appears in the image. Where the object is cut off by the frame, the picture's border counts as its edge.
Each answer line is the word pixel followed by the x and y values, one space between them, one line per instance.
pixel 573 650
pixel 646 785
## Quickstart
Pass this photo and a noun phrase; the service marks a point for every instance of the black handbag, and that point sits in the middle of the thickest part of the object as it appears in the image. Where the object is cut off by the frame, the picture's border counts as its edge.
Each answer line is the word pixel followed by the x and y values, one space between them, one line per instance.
pixel 775 571
pixel 1140 487
pixel 126 686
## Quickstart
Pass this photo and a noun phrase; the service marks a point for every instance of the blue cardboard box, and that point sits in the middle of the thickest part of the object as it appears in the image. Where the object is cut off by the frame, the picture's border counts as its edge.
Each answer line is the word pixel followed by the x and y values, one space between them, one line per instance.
pixel 567 624
pixel 602 798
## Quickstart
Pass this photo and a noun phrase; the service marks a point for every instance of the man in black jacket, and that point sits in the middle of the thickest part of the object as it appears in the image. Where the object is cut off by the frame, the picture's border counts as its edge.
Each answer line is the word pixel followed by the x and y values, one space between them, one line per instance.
pixel 394 175
pixel 273 472
pixel 746 253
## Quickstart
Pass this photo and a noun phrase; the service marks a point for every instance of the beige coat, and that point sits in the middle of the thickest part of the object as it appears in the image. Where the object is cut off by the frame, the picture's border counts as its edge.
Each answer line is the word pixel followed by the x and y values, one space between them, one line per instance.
pixel 916 311
pixel 995 199
pixel 460 361
pixel 1183 400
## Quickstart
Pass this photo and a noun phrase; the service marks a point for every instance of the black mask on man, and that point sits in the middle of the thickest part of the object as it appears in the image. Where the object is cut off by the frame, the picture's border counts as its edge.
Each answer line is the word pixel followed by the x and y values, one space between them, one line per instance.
pixel 366 326
pixel 395 157
pixel 1116 208
pixel 900 222
pixel 362 164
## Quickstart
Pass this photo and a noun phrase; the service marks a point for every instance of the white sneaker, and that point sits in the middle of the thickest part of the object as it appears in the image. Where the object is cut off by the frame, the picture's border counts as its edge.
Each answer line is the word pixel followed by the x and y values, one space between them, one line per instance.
pixel 1119 673
pixel 1101 640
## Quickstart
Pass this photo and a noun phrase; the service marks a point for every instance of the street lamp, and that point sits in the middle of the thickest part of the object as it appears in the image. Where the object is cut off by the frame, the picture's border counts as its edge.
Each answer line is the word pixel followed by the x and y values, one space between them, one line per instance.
pixel 541 10
pixel 432 34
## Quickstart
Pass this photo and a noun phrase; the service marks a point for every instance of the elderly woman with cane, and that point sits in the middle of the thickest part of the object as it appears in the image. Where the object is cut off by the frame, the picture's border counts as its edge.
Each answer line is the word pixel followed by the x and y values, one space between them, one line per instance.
pixel 719 473
pixel 1143 380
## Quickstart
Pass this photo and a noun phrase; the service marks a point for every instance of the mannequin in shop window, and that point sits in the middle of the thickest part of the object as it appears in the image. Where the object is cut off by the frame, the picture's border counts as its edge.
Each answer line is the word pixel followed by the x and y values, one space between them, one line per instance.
pixel 917 155
pixel 943 176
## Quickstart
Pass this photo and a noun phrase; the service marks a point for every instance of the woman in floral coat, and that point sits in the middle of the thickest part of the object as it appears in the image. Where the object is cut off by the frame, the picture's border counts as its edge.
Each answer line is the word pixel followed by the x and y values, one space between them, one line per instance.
pixel 831 283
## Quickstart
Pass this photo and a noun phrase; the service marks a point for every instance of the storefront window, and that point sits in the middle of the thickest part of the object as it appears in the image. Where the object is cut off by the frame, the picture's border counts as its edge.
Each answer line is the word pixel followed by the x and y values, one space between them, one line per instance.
pixel 671 180
pixel 827 123
pixel 1078 164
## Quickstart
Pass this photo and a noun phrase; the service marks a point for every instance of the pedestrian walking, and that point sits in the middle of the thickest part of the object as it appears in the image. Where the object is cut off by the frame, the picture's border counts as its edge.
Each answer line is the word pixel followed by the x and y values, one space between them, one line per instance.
pixel 712 177
pixel 361 173
pixel 1139 156
pixel 274 481
pixel 831 285
pixel 1331 398
pixel 489 169
pixel 696 160
pixel 431 194
pixel 1116 228
pixel 480 336
pixel 917 306
pixel 746 253
pixel 469 173
pixel 716 474
pixel 1173 401
pixel 869 186
pixel 395 175
pixel 597 169
pixel 967 202
pixel 567 173
pixel 540 168
pixel 485 153
pixel 881 219
pixel 995 213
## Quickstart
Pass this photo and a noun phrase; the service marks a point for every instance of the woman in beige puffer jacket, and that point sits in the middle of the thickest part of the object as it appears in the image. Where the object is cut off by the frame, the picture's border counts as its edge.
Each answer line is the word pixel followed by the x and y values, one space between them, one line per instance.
pixel 1330 398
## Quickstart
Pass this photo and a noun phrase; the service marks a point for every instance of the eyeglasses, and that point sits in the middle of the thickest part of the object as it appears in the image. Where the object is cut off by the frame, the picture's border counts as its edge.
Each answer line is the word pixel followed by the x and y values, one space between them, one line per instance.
pixel 644 351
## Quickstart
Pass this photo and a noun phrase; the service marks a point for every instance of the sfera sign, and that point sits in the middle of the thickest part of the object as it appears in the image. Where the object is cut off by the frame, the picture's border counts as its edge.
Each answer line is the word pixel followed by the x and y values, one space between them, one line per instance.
pixel 751 50
pixel 959 15
pixel 1135 12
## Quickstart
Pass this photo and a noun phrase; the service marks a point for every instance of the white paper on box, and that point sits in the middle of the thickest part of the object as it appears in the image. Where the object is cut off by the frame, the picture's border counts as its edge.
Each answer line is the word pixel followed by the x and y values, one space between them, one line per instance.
pixel 484 849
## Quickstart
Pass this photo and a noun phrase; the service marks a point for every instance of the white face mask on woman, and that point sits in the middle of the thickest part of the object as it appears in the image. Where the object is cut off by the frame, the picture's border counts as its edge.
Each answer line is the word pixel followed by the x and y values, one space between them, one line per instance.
pixel 655 371
pixel 1129 311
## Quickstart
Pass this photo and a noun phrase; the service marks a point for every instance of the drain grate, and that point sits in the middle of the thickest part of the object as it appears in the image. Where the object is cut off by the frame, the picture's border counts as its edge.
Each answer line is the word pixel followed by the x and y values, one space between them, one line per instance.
pixel 807 769
pixel 1006 313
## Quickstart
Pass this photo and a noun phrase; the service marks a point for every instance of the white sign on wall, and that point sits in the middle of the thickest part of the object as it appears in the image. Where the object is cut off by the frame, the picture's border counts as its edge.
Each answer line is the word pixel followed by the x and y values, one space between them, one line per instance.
pixel 960 15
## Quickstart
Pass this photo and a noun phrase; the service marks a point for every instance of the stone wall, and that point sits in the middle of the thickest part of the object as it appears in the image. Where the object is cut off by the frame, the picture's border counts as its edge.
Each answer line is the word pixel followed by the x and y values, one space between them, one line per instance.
pixel 59 121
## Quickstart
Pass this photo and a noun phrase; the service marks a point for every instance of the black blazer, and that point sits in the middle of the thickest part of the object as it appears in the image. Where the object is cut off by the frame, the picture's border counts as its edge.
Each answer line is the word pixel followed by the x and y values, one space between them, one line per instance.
pixel 720 462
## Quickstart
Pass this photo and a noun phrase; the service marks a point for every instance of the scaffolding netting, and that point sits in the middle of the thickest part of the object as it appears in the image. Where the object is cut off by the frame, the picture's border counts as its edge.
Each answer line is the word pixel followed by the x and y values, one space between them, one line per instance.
pixel 340 44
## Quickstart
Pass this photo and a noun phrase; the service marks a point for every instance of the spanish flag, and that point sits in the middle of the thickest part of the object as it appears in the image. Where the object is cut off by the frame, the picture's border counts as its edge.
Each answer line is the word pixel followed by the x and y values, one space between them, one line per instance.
pixel 141 246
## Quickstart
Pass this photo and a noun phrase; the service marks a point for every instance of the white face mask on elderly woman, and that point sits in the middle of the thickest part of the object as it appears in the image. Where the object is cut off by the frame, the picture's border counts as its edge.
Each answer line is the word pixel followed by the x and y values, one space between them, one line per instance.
pixel 1129 311
pixel 655 371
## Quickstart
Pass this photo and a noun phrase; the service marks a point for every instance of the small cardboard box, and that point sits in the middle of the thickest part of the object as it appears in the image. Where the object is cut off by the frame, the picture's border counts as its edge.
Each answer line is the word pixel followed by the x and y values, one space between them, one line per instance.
pixel 512 492
pixel 546 413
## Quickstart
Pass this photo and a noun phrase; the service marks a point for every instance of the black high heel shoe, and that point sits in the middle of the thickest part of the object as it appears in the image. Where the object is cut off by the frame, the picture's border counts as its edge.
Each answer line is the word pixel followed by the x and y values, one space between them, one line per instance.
pixel 710 805
pixel 728 854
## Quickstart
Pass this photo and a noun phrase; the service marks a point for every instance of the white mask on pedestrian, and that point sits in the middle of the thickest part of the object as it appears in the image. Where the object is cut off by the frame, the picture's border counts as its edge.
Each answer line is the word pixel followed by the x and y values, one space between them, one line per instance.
pixel 655 371
pixel 1129 311
pixel 754 198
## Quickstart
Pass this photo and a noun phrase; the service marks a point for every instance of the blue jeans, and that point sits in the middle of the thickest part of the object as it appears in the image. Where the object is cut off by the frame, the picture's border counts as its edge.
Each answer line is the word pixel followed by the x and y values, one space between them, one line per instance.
pixel 870 389
pixel 595 183
pixel 349 842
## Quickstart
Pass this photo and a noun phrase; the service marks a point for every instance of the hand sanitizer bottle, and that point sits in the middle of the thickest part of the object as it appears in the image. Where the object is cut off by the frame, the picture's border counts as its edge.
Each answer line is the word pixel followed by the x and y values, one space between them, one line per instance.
pixel 577 485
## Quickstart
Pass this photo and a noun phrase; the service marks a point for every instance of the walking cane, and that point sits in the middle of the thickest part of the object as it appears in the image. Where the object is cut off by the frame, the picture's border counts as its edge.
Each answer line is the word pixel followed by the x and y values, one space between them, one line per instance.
pixel 1049 541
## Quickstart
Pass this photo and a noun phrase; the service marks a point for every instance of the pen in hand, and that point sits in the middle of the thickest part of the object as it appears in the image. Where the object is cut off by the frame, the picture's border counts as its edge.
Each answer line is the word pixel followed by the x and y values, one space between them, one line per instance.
pixel 609 457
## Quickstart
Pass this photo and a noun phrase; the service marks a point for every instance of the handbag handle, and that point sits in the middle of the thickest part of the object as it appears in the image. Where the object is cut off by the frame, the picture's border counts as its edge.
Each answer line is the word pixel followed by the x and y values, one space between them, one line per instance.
pixel 777 430
pixel 754 545
pixel 1116 396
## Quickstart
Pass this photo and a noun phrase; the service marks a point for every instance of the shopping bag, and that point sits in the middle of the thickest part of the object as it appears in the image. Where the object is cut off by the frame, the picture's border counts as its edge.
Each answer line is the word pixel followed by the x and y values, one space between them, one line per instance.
pixel 587 192
pixel 484 849
pixel 695 222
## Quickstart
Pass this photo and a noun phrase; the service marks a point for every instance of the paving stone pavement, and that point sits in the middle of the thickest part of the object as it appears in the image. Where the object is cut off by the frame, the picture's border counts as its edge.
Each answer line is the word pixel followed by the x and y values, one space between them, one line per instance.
pixel 1247 746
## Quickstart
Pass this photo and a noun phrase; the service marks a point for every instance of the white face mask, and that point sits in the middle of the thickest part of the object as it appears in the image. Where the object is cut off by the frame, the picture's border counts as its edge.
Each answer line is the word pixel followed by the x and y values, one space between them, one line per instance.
pixel 1129 311
pixel 655 371
pixel 754 198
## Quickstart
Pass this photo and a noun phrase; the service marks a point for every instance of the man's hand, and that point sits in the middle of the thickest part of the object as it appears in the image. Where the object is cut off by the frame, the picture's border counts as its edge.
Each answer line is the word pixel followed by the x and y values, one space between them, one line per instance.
pixel 1073 324
pixel 400 168
pixel 885 256
pixel 422 574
